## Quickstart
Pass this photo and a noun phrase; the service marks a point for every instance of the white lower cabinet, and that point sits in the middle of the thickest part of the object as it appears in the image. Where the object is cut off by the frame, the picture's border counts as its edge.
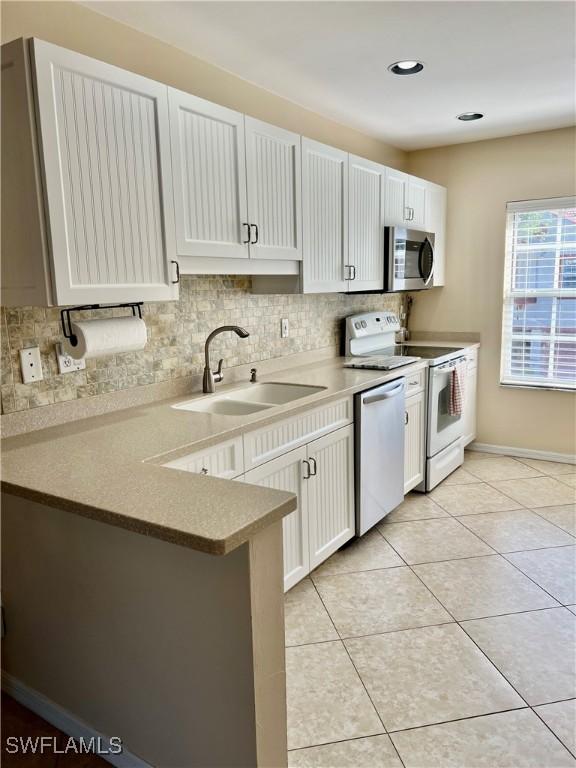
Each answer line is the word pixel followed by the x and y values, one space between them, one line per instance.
pixel 287 473
pixel 225 460
pixel 414 441
pixel 470 395
pixel 331 519
pixel 321 474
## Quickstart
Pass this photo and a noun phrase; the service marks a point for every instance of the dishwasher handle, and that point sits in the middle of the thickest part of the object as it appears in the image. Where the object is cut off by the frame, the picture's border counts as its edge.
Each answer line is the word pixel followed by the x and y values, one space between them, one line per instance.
pixel 394 392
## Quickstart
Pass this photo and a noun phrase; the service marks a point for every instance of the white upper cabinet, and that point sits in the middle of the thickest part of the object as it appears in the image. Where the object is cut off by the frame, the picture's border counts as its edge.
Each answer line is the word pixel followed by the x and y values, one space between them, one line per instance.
pixel 366 191
pixel 105 151
pixel 208 153
pixel 405 200
pixel 274 191
pixel 396 211
pixel 325 217
pixel 416 200
pixel 436 223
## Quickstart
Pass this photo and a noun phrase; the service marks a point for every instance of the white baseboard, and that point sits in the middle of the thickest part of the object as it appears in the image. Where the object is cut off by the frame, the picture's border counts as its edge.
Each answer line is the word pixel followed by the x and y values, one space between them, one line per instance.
pixel 523 453
pixel 65 721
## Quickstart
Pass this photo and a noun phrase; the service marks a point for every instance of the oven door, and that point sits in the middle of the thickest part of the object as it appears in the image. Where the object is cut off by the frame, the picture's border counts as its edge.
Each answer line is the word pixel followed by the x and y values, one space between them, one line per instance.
pixel 410 256
pixel 443 427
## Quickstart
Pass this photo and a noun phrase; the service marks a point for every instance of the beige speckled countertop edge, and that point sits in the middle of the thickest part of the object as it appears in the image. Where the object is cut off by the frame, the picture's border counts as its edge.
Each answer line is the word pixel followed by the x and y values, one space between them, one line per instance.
pixel 88 468
pixel 199 543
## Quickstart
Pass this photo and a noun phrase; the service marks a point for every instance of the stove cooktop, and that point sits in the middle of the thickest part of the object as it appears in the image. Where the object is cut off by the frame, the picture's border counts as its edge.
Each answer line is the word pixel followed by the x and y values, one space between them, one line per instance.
pixel 428 353
pixel 399 355
pixel 380 363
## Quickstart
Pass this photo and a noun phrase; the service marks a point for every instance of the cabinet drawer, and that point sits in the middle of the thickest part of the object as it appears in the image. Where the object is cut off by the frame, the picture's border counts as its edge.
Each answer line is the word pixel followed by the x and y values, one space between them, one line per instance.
pixel 267 443
pixel 222 460
pixel 471 359
pixel 415 382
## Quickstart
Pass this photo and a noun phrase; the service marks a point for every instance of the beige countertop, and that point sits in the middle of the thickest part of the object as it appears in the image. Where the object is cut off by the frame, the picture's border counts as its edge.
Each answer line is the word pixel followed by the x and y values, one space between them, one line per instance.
pixel 100 467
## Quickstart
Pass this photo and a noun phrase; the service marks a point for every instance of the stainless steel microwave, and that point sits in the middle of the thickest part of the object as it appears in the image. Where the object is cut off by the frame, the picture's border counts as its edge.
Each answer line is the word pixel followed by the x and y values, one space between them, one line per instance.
pixel 408 259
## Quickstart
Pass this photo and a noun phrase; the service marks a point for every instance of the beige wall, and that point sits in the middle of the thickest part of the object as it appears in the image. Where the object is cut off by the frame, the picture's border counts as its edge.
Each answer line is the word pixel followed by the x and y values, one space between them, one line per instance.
pixel 481 177
pixel 81 29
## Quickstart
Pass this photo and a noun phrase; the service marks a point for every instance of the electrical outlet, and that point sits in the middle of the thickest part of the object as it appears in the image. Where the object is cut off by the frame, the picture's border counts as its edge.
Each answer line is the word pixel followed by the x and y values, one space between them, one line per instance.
pixel 31 365
pixel 66 364
pixel 284 328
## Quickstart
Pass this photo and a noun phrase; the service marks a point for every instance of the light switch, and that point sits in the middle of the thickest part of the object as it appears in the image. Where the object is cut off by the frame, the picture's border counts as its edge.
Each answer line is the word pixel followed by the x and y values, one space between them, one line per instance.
pixel 31 365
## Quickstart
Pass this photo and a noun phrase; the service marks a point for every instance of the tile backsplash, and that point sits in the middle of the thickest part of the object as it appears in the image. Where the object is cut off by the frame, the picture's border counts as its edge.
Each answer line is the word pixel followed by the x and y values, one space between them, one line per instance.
pixel 176 335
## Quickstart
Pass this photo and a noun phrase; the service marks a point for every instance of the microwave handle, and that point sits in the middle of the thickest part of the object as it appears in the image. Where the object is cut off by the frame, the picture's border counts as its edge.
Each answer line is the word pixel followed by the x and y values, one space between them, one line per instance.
pixel 427 278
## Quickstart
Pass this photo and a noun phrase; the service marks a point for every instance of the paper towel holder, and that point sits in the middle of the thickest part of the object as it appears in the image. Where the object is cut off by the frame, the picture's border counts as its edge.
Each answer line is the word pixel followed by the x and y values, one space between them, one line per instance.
pixel 135 306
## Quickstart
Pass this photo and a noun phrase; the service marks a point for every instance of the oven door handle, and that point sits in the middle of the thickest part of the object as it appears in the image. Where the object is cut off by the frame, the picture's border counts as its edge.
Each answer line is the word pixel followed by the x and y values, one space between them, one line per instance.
pixel 449 366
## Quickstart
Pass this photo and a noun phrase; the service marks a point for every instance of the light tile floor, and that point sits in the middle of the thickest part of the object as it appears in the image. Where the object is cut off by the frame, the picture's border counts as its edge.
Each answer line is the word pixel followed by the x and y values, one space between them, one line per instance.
pixel 446 637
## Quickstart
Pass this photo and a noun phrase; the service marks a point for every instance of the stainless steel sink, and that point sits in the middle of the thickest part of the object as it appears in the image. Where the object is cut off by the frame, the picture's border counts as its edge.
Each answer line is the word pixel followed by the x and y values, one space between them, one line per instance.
pixel 251 399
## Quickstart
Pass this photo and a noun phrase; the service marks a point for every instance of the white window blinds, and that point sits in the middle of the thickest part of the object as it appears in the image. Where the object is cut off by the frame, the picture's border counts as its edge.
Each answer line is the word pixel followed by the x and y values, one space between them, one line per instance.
pixel 539 317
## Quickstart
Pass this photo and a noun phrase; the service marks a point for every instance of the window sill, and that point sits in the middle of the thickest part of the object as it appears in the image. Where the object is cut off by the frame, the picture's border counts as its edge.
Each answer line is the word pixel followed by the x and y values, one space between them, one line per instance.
pixel 537 387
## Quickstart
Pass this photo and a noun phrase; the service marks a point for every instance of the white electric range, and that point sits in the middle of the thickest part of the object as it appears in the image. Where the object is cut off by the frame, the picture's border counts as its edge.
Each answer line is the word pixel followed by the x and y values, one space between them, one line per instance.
pixel 370 343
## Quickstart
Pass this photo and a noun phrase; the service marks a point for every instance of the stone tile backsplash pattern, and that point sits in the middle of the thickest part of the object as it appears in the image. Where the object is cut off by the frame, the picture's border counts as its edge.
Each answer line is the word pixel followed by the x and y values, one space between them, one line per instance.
pixel 176 335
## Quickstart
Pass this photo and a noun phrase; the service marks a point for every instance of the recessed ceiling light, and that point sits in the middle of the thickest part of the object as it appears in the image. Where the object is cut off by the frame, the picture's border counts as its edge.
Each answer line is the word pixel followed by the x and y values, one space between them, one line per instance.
pixel 408 67
pixel 467 116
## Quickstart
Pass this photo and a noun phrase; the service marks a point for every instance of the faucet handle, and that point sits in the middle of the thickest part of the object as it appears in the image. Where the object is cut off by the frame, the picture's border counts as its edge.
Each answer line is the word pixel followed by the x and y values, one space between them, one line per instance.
pixel 218 375
pixel 253 375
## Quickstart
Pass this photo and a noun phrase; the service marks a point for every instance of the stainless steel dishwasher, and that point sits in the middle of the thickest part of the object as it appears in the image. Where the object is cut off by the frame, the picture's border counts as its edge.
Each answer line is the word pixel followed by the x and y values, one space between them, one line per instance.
pixel 379 426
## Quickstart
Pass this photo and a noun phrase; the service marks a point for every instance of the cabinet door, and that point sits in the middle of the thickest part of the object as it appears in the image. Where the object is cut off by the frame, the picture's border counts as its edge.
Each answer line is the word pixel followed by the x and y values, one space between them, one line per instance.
pixel 416 202
pixel 436 223
pixel 366 182
pixel 273 166
pixel 324 217
pixel 414 441
pixel 470 405
pixel 396 212
pixel 209 158
pixel 286 474
pixel 106 157
pixel 331 518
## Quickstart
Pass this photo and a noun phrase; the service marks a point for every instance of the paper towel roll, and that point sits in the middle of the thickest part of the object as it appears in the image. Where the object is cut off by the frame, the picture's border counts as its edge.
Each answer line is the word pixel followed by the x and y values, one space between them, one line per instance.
pixel 107 336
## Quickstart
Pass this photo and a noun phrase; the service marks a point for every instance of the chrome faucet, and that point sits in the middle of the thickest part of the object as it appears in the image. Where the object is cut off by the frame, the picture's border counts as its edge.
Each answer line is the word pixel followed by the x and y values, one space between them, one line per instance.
pixel 213 377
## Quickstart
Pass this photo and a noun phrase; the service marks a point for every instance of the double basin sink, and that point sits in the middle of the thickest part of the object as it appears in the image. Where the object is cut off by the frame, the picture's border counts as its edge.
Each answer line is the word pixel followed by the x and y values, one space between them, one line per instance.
pixel 250 399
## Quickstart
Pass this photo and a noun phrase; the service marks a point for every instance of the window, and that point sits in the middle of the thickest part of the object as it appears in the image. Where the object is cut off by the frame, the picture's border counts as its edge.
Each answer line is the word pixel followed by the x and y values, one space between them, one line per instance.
pixel 539 317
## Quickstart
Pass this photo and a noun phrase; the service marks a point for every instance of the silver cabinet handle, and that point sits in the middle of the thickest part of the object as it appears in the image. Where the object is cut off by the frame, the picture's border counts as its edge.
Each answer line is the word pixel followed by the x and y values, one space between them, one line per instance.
pixel 255 227
pixel 177 265
pixel 313 467
pixel 406 417
pixel 308 474
pixel 353 268
pixel 406 213
pixel 248 230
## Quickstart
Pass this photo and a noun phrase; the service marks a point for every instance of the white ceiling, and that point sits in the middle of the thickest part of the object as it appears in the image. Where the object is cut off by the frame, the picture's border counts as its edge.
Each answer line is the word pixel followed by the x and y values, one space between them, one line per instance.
pixel 514 61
